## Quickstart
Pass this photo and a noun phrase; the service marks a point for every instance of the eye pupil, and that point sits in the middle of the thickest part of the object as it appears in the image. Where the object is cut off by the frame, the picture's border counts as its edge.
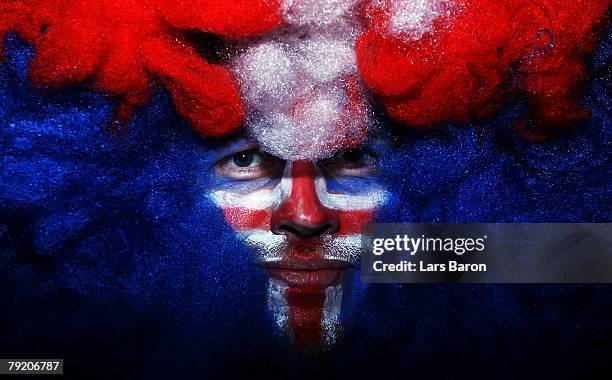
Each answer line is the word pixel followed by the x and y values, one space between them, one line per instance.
pixel 352 155
pixel 243 159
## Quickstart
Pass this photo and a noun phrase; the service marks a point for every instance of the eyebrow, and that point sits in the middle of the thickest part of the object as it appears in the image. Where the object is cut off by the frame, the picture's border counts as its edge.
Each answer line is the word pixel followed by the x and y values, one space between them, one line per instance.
pixel 218 149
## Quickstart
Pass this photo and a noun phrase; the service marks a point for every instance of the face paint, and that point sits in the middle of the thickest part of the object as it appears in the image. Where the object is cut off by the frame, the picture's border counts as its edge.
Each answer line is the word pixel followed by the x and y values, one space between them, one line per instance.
pixel 305 236
pixel 305 103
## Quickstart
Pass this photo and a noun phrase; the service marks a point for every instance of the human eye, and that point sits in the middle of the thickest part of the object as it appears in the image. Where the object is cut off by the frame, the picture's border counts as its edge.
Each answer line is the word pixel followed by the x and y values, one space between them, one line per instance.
pixel 250 164
pixel 354 162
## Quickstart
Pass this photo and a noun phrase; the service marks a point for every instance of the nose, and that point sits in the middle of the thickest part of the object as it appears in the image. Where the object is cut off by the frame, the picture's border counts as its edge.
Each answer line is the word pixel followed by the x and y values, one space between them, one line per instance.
pixel 302 215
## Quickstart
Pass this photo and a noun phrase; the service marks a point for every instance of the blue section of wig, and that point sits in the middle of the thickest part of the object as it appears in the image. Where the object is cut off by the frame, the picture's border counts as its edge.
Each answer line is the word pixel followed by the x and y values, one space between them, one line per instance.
pixel 486 173
pixel 108 248
pixel 108 234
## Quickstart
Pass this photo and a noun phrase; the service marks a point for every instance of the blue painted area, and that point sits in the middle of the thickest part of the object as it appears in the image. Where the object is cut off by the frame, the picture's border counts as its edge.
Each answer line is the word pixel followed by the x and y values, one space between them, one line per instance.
pixel 108 247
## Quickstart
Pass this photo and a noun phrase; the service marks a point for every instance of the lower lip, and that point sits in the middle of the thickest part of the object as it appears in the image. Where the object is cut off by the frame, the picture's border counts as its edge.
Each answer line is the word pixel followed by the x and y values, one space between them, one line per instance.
pixel 321 277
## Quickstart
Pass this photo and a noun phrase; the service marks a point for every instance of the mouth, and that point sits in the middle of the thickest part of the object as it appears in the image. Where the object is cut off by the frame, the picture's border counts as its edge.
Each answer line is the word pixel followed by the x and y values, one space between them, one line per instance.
pixel 307 272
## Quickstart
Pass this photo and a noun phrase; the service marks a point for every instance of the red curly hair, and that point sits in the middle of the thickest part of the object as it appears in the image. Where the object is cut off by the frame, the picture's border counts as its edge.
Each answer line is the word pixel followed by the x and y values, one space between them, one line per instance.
pixel 459 70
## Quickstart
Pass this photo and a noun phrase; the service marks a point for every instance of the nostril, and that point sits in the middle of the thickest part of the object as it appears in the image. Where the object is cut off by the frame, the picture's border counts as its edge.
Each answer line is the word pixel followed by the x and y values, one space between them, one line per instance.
pixel 304 231
pixel 328 228
pixel 325 228
pixel 288 227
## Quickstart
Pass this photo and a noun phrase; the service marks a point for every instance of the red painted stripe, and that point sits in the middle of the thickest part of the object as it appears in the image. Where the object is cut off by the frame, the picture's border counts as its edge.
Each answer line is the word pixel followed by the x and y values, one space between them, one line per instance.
pixel 244 219
pixel 305 315
pixel 351 222
pixel 303 205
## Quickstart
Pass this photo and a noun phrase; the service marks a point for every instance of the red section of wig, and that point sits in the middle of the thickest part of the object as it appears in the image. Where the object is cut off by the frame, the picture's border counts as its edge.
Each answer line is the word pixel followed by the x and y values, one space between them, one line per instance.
pixel 119 47
pixel 462 68
pixel 205 94
pixel 486 49
pixel 235 18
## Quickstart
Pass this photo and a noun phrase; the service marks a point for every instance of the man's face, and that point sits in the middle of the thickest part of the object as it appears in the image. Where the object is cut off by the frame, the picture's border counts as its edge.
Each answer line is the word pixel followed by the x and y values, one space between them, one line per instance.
pixel 304 219
pixel 303 184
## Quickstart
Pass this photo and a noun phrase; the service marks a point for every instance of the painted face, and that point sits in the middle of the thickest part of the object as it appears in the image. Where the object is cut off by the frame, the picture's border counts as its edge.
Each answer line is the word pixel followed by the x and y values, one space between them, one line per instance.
pixel 302 190
pixel 304 219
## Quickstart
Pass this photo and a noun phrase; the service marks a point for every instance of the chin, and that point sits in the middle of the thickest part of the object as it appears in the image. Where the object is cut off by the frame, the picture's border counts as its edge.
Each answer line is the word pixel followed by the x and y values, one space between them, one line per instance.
pixel 305 285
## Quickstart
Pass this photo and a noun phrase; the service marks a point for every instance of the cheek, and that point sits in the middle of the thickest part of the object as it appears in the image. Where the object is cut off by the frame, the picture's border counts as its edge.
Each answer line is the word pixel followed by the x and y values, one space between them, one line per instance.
pixel 251 210
pixel 249 214
pixel 247 205
pixel 243 219
pixel 353 222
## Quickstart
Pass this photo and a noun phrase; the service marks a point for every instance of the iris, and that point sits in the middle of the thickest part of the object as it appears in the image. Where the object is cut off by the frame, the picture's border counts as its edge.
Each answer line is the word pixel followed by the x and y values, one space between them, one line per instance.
pixel 243 159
